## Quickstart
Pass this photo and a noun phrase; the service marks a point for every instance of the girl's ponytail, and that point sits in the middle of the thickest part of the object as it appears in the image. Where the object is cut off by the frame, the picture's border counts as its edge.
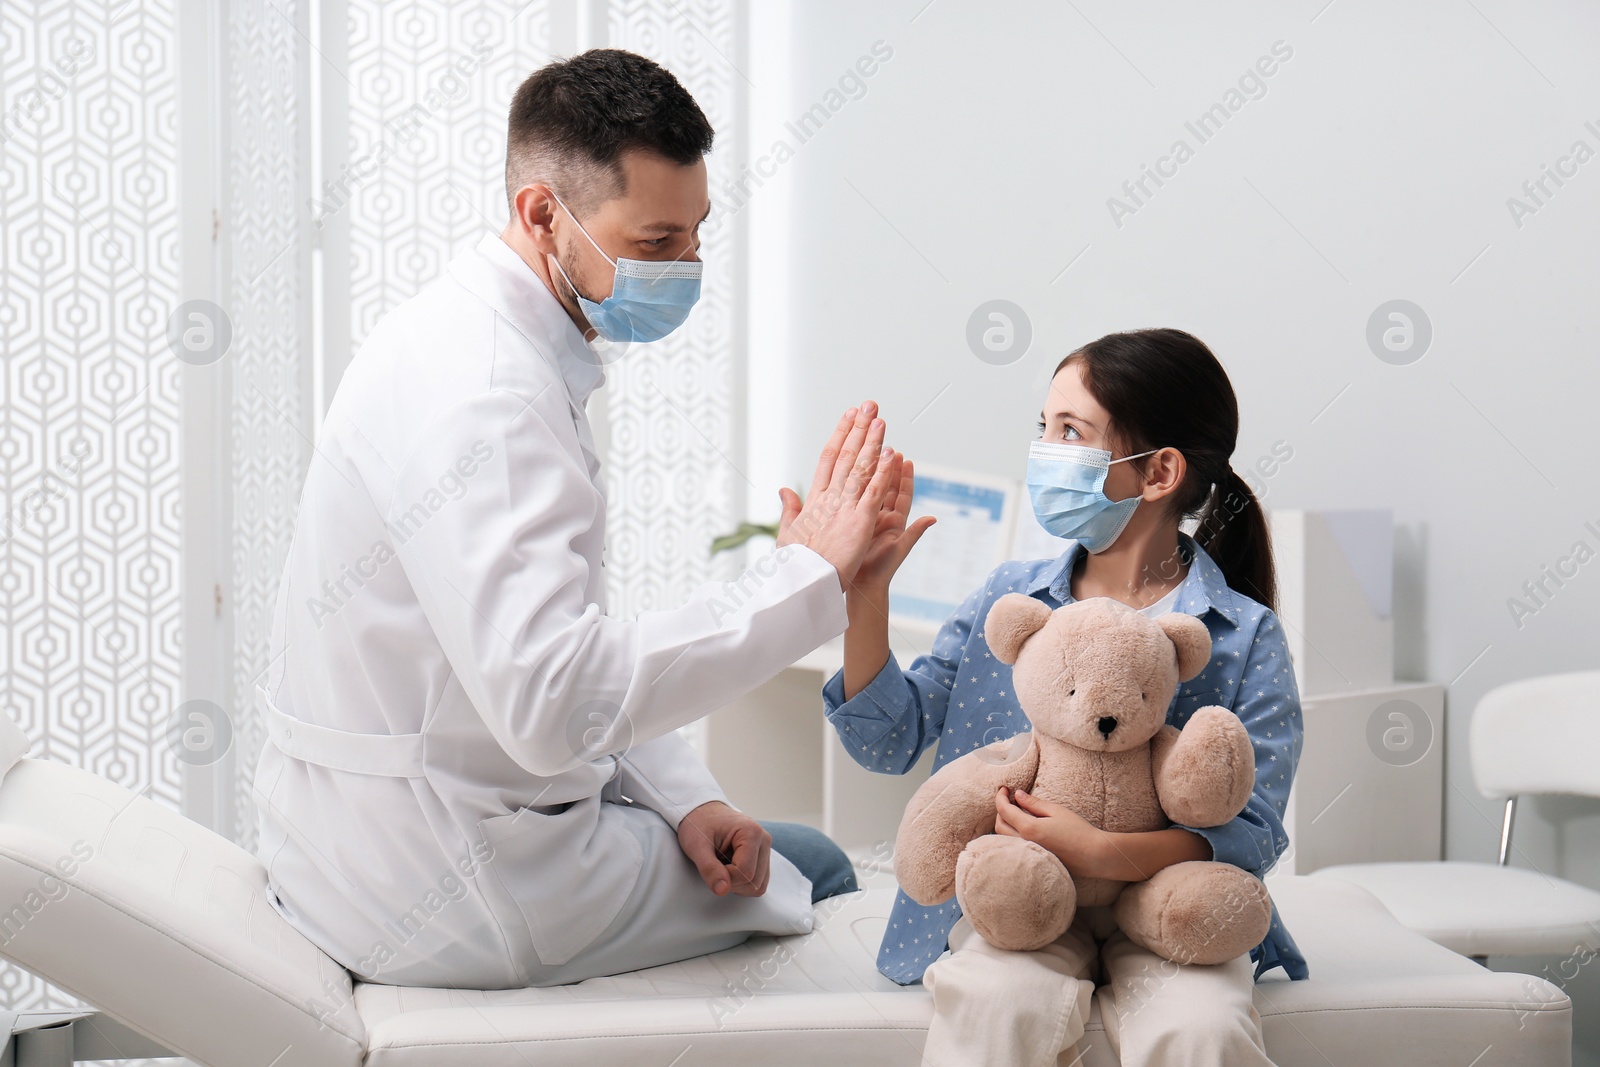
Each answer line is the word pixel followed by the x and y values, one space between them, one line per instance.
pixel 1233 531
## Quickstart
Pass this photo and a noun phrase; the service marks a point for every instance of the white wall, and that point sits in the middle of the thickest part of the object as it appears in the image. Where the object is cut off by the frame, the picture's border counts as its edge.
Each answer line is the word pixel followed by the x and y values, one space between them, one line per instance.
pixel 978 162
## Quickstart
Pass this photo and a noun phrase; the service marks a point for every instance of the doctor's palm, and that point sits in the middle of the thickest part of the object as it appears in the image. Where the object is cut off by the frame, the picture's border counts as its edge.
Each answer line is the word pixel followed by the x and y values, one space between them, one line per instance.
pixel 841 516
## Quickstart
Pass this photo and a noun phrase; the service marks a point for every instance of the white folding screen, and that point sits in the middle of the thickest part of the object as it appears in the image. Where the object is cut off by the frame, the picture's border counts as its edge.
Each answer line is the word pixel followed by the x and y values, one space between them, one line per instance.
pixel 90 400
pixel 89 427
pixel 205 205
pixel 267 423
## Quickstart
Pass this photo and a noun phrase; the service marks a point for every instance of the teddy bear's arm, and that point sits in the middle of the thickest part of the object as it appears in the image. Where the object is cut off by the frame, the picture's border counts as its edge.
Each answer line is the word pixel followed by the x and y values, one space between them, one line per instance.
pixel 1204 773
pixel 951 808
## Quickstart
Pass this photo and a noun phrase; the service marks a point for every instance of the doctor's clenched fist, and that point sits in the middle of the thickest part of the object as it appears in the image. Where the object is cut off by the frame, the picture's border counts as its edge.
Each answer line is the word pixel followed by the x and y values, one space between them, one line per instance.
pixel 732 851
pixel 853 480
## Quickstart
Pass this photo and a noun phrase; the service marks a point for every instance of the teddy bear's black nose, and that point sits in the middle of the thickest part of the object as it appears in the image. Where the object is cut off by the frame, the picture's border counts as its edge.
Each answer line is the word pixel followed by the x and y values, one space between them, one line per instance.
pixel 1107 723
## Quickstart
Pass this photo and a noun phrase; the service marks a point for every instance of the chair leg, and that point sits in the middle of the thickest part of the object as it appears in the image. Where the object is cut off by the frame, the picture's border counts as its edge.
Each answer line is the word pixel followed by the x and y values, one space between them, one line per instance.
pixel 60 1038
pixel 1505 829
pixel 48 1046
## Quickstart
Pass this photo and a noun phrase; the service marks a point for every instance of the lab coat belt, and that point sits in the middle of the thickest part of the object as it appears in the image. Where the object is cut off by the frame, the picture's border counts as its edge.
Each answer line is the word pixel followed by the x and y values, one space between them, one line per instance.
pixel 392 755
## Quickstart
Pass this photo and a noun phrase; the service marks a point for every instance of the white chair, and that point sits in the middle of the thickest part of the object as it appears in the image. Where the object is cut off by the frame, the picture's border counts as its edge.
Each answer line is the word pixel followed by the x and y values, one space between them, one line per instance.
pixel 1540 735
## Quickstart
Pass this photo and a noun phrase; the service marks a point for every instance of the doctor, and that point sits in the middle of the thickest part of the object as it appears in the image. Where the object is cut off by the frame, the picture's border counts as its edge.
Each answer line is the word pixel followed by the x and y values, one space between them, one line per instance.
pixel 471 777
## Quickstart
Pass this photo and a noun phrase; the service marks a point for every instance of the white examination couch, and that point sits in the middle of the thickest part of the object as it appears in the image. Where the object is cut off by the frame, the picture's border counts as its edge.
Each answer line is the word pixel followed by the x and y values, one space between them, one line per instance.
pixel 164 927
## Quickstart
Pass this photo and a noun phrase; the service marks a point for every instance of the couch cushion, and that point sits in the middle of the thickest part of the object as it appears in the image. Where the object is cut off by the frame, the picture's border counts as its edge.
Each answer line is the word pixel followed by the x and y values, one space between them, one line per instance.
pixel 1379 994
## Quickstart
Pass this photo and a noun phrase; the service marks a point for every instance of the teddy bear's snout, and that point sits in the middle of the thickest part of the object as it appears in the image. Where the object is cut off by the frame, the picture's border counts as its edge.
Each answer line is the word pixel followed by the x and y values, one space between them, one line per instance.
pixel 1106 724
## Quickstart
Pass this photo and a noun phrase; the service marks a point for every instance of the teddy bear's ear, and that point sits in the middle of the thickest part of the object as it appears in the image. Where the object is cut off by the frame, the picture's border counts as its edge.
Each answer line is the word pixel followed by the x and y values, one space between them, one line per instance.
pixel 1014 618
pixel 1192 640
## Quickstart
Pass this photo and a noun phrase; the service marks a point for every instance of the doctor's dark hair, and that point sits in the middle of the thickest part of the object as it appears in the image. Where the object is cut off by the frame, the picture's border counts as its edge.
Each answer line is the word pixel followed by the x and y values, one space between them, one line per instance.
pixel 572 120
pixel 1165 388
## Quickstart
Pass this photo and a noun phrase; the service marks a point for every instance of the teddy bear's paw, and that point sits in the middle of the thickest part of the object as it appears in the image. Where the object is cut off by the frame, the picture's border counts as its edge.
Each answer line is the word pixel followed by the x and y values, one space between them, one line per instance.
pixel 1198 911
pixel 1015 893
pixel 1206 777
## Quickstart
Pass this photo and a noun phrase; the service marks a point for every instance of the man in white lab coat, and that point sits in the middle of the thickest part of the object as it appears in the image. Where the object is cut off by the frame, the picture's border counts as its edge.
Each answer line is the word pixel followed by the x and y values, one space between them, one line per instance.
pixel 471 777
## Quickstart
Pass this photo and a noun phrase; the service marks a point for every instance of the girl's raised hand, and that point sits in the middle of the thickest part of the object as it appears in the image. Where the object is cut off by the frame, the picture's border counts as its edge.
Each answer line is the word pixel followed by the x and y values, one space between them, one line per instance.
pixel 892 538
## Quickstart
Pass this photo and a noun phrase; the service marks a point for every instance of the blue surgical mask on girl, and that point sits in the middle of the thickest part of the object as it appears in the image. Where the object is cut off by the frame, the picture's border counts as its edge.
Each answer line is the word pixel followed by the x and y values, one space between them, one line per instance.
pixel 649 298
pixel 1067 484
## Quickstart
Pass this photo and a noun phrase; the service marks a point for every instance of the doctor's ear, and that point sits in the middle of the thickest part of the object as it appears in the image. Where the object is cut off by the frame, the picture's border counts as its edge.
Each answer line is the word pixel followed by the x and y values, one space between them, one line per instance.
pixel 535 212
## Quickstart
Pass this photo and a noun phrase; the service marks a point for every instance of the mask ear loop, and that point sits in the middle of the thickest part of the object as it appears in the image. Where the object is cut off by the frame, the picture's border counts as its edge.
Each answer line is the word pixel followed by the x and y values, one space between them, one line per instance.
pixel 583 231
pixel 1136 455
pixel 557 259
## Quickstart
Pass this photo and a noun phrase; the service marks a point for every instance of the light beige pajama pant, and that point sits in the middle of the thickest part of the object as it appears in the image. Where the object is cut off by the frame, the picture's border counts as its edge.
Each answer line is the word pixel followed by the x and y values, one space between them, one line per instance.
pixel 1028 1009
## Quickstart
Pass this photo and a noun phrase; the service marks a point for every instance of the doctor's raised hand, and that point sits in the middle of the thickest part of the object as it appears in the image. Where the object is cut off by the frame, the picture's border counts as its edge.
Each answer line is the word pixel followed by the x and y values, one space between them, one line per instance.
pixel 866 638
pixel 852 491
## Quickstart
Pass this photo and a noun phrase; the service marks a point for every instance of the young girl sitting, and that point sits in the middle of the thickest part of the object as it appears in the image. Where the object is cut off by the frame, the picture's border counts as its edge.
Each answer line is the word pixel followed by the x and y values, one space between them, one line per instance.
pixel 1136 435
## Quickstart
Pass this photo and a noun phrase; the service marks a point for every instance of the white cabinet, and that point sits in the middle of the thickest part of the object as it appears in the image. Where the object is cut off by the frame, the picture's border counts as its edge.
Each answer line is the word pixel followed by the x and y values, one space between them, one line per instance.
pixel 1370 786
pixel 1335 587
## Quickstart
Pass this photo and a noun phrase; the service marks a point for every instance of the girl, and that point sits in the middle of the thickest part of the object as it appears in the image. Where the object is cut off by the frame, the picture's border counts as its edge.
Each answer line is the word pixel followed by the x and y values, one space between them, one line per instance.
pixel 1155 418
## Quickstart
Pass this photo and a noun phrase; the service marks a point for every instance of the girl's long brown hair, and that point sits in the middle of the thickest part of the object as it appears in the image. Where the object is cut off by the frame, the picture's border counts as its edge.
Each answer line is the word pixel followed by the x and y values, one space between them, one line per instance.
pixel 1164 388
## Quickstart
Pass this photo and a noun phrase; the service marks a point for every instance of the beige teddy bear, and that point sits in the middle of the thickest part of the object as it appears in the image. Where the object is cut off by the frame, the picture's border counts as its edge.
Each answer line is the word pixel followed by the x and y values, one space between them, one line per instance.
pixel 1095 678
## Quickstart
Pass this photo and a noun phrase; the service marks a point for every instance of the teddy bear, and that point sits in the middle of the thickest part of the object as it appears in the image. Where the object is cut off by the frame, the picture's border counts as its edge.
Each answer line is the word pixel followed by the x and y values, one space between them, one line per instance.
pixel 1095 678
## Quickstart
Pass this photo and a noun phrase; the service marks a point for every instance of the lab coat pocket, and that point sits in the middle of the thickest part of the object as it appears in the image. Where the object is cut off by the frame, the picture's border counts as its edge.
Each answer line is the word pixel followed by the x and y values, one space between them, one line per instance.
pixel 565 876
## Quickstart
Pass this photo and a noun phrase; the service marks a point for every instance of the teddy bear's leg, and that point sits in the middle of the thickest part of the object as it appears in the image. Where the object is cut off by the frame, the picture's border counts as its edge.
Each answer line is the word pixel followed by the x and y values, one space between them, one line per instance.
pixel 1198 911
pixel 1015 893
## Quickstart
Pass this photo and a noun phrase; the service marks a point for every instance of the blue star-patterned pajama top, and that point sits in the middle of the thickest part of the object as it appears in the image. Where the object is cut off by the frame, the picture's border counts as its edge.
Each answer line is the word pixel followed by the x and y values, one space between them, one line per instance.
pixel 960 698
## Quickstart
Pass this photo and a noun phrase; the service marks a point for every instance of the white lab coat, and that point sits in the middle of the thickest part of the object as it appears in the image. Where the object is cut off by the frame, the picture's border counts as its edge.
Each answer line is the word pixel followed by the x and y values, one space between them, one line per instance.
pixel 472 776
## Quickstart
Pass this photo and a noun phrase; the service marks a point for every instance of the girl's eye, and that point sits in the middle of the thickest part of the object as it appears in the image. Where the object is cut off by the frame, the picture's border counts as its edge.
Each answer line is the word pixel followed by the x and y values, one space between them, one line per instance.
pixel 655 242
pixel 1068 431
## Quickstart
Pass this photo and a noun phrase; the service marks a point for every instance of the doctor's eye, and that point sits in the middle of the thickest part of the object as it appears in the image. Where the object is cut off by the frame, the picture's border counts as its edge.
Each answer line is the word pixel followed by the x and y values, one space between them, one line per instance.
pixel 1041 428
pixel 1069 431
pixel 654 242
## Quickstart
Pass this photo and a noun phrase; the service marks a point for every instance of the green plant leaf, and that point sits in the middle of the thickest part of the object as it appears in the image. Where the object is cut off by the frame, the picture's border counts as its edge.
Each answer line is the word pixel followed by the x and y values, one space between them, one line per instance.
pixel 745 531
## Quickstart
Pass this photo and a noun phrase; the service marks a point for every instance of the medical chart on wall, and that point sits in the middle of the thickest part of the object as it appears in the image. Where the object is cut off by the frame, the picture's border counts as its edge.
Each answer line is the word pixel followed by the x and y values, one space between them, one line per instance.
pixel 983 522
pixel 953 558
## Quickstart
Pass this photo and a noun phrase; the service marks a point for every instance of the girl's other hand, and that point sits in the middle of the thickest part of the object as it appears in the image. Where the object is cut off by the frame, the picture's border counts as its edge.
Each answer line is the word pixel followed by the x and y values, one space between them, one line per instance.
pixel 1075 841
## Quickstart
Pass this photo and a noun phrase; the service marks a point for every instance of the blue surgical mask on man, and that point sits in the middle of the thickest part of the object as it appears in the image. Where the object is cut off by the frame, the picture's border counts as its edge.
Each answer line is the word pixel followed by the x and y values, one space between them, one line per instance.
pixel 1067 484
pixel 649 298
